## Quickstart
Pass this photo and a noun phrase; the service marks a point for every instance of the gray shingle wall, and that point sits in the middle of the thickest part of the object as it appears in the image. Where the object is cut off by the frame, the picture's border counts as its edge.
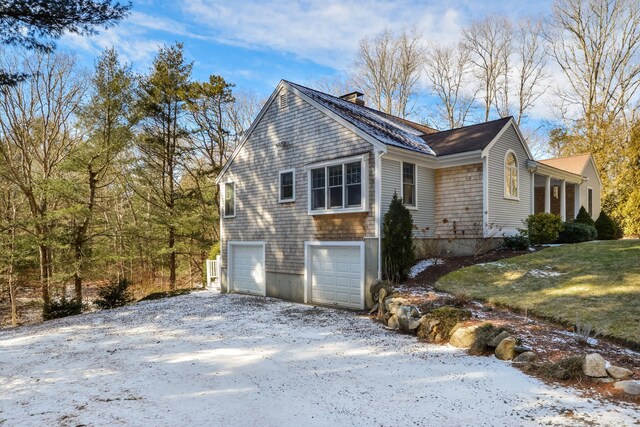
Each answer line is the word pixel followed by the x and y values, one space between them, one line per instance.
pixel 423 216
pixel 506 215
pixel 310 136
pixel 458 201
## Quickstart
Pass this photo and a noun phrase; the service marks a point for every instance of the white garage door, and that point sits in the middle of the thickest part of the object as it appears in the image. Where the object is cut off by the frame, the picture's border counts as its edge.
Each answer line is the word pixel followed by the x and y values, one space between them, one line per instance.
pixel 247 268
pixel 336 275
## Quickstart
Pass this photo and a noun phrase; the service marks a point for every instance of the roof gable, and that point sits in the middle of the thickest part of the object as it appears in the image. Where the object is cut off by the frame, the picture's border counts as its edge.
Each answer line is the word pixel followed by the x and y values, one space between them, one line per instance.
pixel 467 138
pixel 573 164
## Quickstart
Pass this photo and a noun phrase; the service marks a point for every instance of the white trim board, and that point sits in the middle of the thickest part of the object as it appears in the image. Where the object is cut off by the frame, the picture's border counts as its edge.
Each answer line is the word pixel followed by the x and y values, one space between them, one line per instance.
pixel 307 275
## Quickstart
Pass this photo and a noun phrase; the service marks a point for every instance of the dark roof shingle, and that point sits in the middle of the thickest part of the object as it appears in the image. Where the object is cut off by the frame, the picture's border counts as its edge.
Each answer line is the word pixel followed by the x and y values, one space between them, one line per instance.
pixel 467 138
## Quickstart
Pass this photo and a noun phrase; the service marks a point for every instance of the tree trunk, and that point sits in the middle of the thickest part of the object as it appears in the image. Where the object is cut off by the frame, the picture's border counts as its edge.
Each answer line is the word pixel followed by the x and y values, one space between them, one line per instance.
pixel 45 270
pixel 172 258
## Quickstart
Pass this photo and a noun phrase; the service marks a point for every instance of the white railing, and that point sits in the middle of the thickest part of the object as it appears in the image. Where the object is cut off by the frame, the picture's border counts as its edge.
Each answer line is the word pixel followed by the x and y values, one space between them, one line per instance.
pixel 213 273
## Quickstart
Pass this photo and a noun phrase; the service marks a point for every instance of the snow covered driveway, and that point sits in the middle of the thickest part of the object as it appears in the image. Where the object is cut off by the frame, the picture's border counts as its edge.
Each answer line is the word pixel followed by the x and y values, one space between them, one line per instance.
pixel 206 359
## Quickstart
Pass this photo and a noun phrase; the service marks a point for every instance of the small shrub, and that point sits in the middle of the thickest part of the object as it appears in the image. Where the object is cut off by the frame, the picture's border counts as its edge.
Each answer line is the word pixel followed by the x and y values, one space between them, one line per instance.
pixel 583 217
pixel 582 332
pixel 63 307
pixel 485 333
pixel 398 254
pixel 569 368
pixel 460 300
pixel 606 227
pixel 543 228
pixel 519 242
pixel 619 229
pixel 448 317
pixel 576 232
pixel 115 294
pixel 215 250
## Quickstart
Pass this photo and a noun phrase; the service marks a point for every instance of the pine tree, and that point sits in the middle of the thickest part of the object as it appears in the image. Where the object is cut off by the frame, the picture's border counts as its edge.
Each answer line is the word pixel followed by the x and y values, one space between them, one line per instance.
pixel 606 227
pixel 584 217
pixel 398 254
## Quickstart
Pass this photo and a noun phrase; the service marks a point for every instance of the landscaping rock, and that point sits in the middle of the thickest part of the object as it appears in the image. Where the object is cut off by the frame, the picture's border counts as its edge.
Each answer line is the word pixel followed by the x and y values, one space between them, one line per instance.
pixel 594 366
pixel 521 349
pixel 463 337
pixel 631 387
pixel 415 313
pixel 526 357
pixel 393 322
pixel 505 350
pixel 374 308
pixel 618 372
pixel 498 338
pixel 393 304
pixel 382 294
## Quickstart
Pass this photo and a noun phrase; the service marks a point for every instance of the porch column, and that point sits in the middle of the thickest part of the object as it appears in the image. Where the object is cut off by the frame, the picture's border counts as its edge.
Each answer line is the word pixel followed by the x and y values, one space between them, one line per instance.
pixel 578 203
pixel 563 201
pixel 532 191
pixel 547 195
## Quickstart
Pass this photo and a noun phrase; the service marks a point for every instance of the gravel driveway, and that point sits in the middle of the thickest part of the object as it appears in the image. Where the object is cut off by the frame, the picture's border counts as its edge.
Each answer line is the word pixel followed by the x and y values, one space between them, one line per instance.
pixel 206 359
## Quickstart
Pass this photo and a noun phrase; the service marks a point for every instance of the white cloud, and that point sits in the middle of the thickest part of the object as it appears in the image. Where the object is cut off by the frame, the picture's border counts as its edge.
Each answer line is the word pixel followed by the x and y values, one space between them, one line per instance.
pixel 325 32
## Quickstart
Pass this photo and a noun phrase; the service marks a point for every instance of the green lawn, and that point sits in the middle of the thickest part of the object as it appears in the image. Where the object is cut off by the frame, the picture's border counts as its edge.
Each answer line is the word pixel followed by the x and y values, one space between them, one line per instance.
pixel 596 283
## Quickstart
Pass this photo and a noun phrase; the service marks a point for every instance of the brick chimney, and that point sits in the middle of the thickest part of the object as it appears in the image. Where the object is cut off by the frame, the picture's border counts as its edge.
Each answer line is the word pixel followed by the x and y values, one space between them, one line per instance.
pixel 355 97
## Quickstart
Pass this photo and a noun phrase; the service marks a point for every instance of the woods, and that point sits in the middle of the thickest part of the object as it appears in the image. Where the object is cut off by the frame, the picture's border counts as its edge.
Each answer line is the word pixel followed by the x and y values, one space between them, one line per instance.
pixel 110 175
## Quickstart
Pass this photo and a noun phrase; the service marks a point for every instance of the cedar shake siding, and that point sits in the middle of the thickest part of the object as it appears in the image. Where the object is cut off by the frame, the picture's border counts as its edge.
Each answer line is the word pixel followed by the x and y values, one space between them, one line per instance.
pixel 292 137
pixel 458 202
pixel 423 214
pixel 505 215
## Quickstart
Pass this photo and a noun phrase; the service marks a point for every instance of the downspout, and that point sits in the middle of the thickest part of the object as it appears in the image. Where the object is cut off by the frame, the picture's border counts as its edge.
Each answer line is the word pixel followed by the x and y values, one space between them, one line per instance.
pixel 378 206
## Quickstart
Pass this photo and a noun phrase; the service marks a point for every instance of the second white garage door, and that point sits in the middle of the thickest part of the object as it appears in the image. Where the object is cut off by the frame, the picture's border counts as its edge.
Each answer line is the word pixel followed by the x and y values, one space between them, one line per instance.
pixel 247 267
pixel 336 274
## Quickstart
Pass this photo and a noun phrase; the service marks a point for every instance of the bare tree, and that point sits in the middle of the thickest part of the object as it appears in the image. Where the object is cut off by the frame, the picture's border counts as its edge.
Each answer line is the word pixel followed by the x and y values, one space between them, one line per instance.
pixel 448 70
pixel 489 41
pixel 387 68
pixel 596 43
pixel 36 120
pixel 531 56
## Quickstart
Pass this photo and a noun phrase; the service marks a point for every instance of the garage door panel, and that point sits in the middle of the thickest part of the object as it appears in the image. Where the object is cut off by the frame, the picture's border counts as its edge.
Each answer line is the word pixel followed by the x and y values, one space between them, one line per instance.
pixel 336 275
pixel 247 268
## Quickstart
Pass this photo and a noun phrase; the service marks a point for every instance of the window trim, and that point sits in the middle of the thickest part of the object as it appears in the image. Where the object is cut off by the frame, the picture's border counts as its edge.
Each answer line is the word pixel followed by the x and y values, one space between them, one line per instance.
pixel 364 182
pixel 504 175
pixel 224 200
pixel 414 206
pixel 280 173
pixel 590 208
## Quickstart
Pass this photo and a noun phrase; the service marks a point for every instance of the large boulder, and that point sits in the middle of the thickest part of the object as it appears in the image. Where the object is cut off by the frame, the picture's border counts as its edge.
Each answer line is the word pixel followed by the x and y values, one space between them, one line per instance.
pixel 493 342
pixel 618 372
pixel 393 323
pixel 594 366
pixel 630 387
pixel 526 357
pixel 506 349
pixel 463 336
pixel 393 304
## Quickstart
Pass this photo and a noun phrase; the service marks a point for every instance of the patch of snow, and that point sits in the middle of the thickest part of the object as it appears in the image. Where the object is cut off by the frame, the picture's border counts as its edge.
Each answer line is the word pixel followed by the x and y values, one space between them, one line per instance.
pixel 422 266
pixel 543 273
pixel 204 358
pixel 496 264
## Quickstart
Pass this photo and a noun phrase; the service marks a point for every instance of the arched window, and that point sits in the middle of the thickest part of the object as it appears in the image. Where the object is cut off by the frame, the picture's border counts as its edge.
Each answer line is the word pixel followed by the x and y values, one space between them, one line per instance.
pixel 511 175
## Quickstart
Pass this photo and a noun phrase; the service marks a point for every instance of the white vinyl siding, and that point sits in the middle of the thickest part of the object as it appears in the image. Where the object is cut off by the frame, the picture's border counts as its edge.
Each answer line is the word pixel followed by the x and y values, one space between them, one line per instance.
pixel 591 182
pixel 423 216
pixel 505 214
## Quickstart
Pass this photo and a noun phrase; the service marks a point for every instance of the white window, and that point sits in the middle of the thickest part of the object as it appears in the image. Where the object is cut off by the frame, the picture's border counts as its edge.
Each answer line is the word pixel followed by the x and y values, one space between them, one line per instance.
pixel 337 186
pixel 511 176
pixel 590 201
pixel 287 186
pixel 229 200
pixel 409 184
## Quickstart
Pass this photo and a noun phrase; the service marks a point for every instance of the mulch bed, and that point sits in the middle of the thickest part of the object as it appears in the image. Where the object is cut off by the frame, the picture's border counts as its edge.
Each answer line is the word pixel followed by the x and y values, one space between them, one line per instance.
pixel 551 341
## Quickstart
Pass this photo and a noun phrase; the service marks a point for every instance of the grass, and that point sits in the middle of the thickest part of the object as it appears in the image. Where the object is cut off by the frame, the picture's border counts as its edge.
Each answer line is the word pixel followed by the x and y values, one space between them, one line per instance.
pixel 594 283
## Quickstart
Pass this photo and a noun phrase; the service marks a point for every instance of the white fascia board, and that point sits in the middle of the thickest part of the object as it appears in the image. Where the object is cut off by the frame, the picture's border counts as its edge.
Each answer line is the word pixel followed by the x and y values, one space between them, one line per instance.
pixel 425 160
pixel 556 173
pixel 511 122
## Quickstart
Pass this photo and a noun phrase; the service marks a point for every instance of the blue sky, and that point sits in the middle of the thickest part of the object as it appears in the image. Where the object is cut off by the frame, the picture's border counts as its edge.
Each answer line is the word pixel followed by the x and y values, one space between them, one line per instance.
pixel 255 43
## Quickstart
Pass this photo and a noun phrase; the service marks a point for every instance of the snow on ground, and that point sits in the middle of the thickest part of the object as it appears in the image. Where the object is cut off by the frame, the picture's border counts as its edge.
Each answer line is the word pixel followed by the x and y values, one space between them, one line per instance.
pixel 207 359
pixel 421 266
pixel 543 273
